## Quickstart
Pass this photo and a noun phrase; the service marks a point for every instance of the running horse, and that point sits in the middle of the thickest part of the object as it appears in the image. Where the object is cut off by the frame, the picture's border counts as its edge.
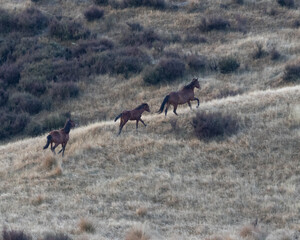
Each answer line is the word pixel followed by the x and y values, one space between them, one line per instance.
pixel 134 114
pixel 60 136
pixel 185 95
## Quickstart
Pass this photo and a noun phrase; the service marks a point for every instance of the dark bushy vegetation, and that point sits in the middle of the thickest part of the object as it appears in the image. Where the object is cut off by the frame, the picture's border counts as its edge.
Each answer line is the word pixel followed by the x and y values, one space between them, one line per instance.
pixel 213 125
pixel 68 30
pixel 15 235
pixel 93 13
pixel 137 37
pixel 64 90
pixel 157 4
pixel 228 65
pixel 196 63
pixel 286 3
pixel 10 74
pixel 24 102
pixel 259 52
pixel 56 236
pixel 167 70
pixel 292 73
pixel 213 23
pixel 195 38
pixel 101 2
pixel 12 123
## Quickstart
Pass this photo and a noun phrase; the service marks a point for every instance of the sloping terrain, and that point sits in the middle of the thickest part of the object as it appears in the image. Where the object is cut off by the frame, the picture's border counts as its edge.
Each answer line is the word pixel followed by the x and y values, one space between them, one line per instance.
pixel 187 188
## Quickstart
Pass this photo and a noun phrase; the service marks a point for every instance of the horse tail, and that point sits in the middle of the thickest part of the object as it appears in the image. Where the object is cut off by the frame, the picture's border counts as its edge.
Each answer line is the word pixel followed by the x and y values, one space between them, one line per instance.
pixel 117 117
pixel 49 138
pixel 166 99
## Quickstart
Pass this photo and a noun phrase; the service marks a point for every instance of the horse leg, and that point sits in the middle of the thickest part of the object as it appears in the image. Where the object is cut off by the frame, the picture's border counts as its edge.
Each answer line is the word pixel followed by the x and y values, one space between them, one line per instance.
pixel 122 123
pixel 137 124
pixel 166 110
pixel 62 147
pixel 174 110
pixel 143 122
pixel 189 103
pixel 196 99
pixel 53 148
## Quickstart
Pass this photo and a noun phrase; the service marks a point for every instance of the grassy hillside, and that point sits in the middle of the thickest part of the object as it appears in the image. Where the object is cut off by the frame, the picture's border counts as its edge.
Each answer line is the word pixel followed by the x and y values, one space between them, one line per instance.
pixel 164 177
pixel 92 60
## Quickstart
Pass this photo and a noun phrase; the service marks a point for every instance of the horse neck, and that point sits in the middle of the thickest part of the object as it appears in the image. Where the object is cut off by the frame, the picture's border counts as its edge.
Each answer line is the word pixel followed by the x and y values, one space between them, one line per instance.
pixel 67 128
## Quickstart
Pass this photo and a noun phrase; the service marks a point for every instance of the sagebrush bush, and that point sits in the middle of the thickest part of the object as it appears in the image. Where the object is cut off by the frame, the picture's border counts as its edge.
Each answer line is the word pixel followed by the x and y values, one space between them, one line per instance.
pixel 167 70
pixel 55 121
pixel 10 74
pixel 286 3
pixel 12 123
pixel 196 63
pixel 33 86
pixel 212 125
pixel 3 97
pixel 14 235
pixel 228 64
pixel 213 23
pixel 121 61
pixel 34 128
pixel 144 37
pixel 8 22
pixel 157 4
pixel 93 13
pixel 195 38
pixel 24 102
pixel 101 2
pixel 32 20
pixel 56 236
pixel 259 52
pixel 68 30
pixel 64 90
pixel 274 54
pixel 292 73
pixel 86 226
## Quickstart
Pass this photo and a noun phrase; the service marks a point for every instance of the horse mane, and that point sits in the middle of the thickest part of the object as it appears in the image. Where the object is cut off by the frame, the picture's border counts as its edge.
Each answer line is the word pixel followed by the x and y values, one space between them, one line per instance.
pixel 141 106
pixel 189 86
pixel 67 126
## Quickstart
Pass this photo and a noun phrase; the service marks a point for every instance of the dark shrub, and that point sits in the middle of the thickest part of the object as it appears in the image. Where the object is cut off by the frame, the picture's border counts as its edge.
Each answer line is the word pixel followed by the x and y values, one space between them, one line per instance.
pixel 135 27
pixel 56 236
pixel 66 71
pixel 166 70
pixel 259 52
pixel 41 71
pixel 3 97
pixel 54 121
pixel 32 20
pixel 274 54
pixel 171 54
pixel 92 46
pixel 24 102
pixel 292 73
pixel 213 23
pixel 64 90
pixel 196 63
pixel 212 125
pixel 171 68
pixel 228 65
pixel 11 124
pixel 93 13
pixel 68 30
pixel 14 235
pixel 286 3
pixel 33 128
pixel 146 37
pixel 101 2
pixel 157 4
pixel 121 61
pixel 194 38
pixel 34 86
pixel 10 73
pixel 8 22
pixel 151 75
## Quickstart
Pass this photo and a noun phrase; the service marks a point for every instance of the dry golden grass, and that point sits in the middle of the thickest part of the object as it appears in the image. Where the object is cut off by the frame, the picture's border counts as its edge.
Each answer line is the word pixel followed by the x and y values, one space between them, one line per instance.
pixel 188 189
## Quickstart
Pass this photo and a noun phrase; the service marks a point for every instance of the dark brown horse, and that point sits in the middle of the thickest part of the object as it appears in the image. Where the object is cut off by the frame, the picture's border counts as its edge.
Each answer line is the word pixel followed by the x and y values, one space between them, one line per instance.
pixel 134 114
pixel 60 136
pixel 185 95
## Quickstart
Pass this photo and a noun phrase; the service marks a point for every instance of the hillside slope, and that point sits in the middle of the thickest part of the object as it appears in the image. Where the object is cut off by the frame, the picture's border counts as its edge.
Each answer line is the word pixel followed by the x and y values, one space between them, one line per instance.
pixel 187 188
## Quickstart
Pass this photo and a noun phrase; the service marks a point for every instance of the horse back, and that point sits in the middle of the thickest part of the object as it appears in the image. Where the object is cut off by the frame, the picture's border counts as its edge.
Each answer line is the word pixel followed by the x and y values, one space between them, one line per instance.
pixel 59 136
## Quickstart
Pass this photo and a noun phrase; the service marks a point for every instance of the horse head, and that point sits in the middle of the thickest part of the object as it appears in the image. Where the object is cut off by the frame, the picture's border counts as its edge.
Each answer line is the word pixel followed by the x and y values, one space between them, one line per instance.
pixel 146 107
pixel 196 83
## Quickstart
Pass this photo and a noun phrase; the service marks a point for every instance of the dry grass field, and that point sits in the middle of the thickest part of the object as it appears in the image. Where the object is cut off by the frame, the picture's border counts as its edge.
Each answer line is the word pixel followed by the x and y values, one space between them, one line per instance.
pixel 162 182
